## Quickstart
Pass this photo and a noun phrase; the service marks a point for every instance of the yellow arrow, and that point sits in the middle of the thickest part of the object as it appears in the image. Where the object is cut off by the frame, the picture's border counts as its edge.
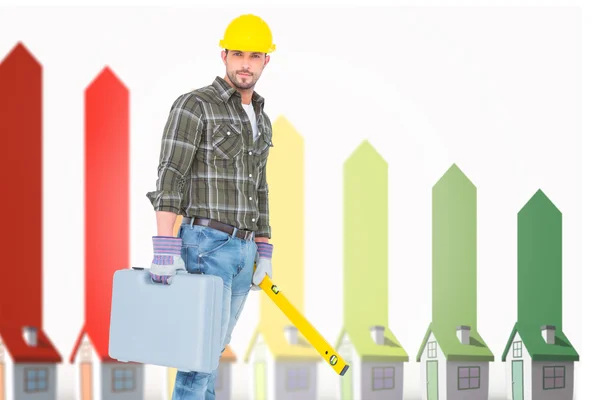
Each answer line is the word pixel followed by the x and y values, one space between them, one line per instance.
pixel 308 331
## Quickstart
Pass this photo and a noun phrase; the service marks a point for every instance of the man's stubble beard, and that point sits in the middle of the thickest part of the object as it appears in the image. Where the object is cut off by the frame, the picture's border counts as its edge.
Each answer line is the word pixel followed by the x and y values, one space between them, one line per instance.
pixel 242 86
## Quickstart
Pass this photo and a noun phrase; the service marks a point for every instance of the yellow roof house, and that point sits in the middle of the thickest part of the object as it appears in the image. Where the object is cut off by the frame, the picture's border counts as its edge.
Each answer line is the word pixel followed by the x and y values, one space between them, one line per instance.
pixel 373 353
pixel 282 363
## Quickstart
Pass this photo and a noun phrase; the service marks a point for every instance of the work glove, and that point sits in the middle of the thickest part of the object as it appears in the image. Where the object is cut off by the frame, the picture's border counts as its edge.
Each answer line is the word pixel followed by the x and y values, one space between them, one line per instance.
pixel 263 264
pixel 167 259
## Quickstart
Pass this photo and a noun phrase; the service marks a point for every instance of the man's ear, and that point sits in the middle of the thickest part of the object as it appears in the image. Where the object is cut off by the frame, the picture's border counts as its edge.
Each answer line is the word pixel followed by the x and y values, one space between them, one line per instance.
pixel 224 56
pixel 267 59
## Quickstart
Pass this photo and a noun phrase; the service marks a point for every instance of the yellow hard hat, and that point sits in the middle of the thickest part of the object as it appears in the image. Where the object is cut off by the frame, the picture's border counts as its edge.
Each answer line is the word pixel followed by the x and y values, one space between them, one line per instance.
pixel 248 33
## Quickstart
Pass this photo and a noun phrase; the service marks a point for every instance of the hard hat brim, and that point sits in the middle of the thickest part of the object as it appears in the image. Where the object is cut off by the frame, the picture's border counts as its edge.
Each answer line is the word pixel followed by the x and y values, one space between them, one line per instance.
pixel 232 46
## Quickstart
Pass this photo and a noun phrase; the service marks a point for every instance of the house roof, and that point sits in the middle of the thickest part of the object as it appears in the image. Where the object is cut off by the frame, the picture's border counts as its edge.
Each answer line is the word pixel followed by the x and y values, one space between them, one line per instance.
pixel 228 355
pixel 280 348
pixel 99 345
pixel 20 351
pixel 368 350
pixel 537 347
pixel 448 343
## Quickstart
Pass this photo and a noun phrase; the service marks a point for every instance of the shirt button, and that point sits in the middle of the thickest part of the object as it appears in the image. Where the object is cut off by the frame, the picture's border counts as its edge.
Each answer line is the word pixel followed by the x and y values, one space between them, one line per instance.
pixel 229 133
pixel 250 175
pixel 253 220
pixel 250 153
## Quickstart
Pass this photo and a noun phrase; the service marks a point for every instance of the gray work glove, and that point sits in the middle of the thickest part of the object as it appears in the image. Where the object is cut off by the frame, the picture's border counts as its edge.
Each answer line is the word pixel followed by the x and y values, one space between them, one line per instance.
pixel 167 259
pixel 263 264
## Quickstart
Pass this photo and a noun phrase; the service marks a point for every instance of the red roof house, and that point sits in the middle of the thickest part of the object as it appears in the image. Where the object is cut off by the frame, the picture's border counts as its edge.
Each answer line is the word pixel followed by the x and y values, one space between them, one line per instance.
pixel 27 356
pixel 106 240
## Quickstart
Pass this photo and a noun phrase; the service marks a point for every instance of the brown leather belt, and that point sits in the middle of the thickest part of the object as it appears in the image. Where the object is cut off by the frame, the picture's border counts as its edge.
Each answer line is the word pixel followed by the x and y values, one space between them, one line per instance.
pixel 220 226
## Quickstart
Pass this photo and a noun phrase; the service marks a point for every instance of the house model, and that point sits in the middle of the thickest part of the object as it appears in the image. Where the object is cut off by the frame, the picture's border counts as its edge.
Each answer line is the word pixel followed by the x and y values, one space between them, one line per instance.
pixel 454 357
pixel 106 241
pixel 28 359
pixel 283 365
pixel 367 344
pixel 539 357
pixel 224 381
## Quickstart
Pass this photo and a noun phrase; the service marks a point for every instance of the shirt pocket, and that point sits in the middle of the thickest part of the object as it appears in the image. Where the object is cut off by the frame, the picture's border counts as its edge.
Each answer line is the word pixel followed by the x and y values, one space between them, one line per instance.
pixel 265 141
pixel 227 140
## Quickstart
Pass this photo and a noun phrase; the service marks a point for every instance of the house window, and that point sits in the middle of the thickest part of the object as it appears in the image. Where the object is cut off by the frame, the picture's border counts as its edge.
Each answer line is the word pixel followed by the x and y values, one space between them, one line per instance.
pixel 36 380
pixel 383 378
pixel 123 380
pixel 554 378
pixel 297 379
pixel 468 378
pixel 432 350
pixel 517 349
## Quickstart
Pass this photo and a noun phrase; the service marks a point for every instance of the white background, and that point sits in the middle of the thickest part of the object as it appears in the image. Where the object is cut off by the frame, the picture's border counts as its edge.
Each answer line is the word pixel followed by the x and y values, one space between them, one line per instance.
pixel 486 88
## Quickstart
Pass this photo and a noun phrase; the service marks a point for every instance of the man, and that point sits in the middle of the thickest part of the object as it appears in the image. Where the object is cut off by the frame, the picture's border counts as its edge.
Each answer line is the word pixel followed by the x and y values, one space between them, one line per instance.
pixel 212 171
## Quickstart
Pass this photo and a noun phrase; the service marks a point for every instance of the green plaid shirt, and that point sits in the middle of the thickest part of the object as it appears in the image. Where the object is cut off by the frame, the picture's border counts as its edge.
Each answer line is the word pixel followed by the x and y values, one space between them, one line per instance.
pixel 210 166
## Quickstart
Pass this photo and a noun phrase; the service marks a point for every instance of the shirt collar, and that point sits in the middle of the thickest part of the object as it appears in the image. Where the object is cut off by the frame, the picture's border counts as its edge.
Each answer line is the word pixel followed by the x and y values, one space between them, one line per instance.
pixel 225 92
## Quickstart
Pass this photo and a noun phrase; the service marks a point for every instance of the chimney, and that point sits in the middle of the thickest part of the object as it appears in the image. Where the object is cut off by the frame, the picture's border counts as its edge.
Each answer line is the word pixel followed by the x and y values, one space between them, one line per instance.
pixel 291 333
pixel 548 333
pixel 463 332
pixel 30 335
pixel 377 334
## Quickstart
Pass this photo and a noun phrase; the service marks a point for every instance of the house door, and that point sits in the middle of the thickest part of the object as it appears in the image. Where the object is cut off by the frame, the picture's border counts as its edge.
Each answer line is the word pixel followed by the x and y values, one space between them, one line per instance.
pixel 347 385
pixel 432 380
pixel 260 381
pixel 2 385
pixel 86 380
pixel 517 380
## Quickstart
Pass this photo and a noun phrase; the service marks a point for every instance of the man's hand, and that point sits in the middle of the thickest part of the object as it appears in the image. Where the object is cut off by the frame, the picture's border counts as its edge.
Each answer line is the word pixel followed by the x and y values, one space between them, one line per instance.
pixel 167 259
pixel 263 264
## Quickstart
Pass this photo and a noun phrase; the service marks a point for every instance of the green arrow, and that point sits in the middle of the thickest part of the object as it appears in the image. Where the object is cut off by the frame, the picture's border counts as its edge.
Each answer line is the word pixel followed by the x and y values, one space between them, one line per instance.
pixel 540 262
pixel 454 236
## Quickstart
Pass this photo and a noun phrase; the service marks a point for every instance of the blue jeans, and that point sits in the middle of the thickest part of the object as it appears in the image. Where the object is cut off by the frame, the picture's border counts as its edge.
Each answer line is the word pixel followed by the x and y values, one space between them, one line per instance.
pixel 210 251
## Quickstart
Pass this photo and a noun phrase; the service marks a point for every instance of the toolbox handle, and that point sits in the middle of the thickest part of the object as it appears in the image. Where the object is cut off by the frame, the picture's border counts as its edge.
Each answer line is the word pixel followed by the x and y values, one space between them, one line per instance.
pixel 177 272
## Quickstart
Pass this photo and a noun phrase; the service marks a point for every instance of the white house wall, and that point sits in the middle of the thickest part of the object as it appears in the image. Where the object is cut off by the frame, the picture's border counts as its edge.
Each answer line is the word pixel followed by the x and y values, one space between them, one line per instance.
pixel 136 394
pixel 552 394
pixel 527 371
pixel 260 353
pixel 348 352
pixel 275 375
pixel 102 377
pixel 368 393
pixel 470 394
pixel 441 361
pixel 19 382
pixel 96 372
pixel 9 380
pixel 224 375
pixel 280 381
pixel 271 376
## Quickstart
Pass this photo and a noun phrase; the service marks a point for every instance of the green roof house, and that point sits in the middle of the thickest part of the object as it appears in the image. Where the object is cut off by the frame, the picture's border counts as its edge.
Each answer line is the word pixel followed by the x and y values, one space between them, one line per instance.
pixel 539 357
pixel 455 358
pixel 372 351
pixel 283 364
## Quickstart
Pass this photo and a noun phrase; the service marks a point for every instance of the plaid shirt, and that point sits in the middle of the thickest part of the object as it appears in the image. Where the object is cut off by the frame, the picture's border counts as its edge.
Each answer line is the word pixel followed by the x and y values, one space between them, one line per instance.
pixel 210 166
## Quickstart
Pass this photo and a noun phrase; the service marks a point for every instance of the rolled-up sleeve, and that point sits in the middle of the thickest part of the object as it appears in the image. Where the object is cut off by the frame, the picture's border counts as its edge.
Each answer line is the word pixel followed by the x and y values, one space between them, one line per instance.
pixel 264 228
pixel 179 143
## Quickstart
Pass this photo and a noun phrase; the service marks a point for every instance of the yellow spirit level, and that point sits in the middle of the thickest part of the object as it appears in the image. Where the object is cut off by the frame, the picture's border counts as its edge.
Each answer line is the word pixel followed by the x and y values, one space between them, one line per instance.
pixel 308 331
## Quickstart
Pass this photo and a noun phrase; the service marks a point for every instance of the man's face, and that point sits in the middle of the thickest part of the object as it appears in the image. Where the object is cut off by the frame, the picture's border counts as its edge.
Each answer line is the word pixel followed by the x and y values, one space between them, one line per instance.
pixel 244 68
